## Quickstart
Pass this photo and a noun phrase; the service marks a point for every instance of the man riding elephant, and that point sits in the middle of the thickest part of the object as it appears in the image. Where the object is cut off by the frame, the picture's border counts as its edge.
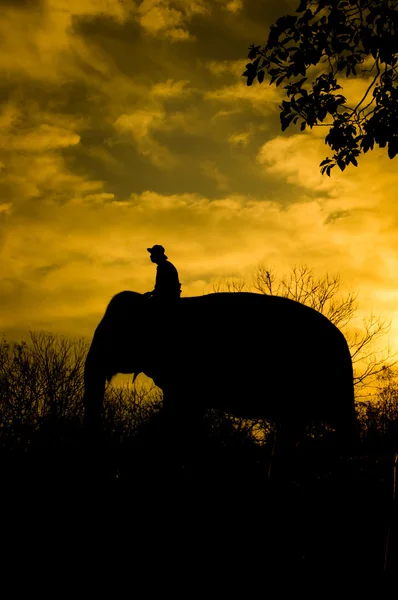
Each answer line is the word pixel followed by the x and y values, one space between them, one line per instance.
pixel 167 285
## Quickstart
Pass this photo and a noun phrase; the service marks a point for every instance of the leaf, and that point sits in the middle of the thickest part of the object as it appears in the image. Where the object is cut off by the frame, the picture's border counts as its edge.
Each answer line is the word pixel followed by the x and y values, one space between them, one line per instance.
pixel 286 23
pixel 260 76
pixel 250 73
pixel 250 77
pixel 286 120
pixel 256 62
pixel 328 169
pixel 321 5
pixel 253 52
pixel 302 126
pixel 302 6
pixel 367 143
pixel 286 40
pixel 300 83
pixel 393 147
pixel 279 80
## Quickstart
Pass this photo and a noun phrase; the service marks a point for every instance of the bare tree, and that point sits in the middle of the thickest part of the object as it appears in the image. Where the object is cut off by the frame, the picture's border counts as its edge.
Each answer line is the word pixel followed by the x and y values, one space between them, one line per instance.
pixel 42 387
pixel 41 380
pixel 128 407
pixel 379 417
pixel 324 295
pixel 230 285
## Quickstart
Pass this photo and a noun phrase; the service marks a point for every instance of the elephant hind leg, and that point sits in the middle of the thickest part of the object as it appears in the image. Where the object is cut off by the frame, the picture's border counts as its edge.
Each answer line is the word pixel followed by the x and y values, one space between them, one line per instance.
pixel 283 455
pixel 347 435
pixel 346 426
pixel 184 421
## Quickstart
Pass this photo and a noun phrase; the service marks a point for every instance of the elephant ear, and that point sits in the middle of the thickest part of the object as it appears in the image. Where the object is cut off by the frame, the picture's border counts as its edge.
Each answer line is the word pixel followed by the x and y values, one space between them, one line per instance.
pixel 157 374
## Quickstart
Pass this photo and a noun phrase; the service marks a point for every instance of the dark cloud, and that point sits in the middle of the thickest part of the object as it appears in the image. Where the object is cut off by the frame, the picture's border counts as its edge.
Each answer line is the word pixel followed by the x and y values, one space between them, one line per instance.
pixel 337 214
pixel 44 270
pixel 23 4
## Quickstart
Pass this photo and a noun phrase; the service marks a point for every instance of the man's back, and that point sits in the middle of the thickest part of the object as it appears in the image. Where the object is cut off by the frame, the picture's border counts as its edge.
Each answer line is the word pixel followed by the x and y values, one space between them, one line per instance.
pixel 167 283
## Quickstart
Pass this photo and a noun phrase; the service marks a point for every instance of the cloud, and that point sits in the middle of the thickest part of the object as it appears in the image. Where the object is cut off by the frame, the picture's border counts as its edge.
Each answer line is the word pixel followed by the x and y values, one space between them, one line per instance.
pixel 355 211
pixel 98 245
pixel 5 207
pixel 241 138
pixel 170 89
pixel 141 122
pixel 210 169
pixel 140 125
pixel 145 124
pixel 296 159
pixel 44 137
pixel 234 6
pixel 222 67
pixel 170 19
pixel 263 99
pixel 28 35
pixel 337 214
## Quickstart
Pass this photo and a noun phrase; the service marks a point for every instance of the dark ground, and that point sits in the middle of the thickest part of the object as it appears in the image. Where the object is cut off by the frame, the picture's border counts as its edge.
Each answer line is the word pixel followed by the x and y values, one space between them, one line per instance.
pixel 137 518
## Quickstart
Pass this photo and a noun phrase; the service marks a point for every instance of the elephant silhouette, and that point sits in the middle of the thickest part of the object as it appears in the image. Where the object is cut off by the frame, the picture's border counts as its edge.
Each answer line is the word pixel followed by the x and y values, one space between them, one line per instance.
pixel 250 355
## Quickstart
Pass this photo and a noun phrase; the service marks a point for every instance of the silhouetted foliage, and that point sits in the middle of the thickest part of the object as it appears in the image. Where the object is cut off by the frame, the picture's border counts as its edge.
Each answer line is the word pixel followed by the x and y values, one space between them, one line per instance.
pixel 327 39
pixel 41 388
pixel 142 495
pixel 41 385
pixel 379 417
pixel 41 394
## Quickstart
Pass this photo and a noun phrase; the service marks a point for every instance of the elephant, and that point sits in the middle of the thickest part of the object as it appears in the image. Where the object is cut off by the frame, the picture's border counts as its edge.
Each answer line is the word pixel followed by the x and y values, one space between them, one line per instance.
pixel 250 355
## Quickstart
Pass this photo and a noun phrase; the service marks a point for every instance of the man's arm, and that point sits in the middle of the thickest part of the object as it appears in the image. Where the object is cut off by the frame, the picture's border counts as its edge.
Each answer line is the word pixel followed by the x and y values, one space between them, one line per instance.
pixel 149 294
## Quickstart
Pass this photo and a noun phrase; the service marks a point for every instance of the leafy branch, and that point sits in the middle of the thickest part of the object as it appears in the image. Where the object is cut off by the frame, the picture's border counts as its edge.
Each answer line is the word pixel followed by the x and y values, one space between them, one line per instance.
pixel 336 36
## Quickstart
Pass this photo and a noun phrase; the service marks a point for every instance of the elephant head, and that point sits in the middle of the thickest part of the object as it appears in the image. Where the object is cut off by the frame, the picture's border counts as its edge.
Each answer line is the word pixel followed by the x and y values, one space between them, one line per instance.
pixel 123 342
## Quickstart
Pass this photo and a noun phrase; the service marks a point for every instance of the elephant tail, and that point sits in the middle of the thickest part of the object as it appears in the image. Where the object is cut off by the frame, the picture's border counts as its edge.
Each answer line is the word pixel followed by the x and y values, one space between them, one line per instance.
pixel 348 427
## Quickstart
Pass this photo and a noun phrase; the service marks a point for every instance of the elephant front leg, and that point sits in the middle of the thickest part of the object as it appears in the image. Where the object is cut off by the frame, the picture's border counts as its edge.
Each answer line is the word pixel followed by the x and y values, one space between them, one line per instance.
pixel 282 460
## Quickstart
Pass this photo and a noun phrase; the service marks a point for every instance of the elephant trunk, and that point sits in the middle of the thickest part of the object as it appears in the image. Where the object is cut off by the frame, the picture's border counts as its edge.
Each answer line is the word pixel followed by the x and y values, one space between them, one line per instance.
pixel 94 390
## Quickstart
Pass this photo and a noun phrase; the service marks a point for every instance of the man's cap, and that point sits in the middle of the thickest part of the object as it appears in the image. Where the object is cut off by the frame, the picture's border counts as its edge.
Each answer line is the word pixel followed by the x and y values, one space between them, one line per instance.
pixel 156 249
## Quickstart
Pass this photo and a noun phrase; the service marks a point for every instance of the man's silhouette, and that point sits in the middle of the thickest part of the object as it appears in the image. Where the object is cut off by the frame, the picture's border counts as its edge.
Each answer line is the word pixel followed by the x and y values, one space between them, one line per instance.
pixel 167 285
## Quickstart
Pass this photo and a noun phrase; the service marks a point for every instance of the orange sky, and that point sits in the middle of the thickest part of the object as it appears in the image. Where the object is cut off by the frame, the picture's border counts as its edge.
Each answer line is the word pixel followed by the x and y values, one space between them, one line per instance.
pixel 125 124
